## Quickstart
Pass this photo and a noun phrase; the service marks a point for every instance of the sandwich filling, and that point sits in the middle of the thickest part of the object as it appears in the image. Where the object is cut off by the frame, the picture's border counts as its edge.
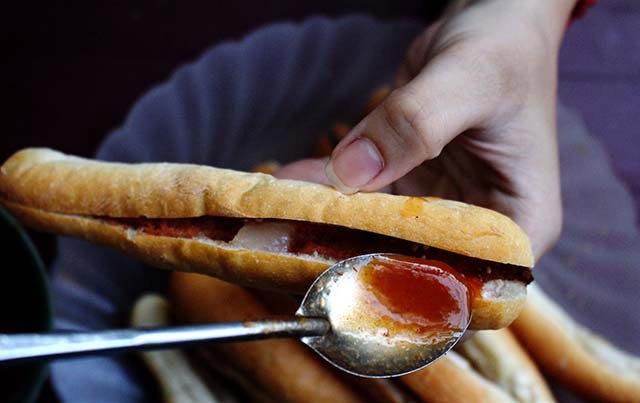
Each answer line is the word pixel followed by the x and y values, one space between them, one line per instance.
pixel 329 242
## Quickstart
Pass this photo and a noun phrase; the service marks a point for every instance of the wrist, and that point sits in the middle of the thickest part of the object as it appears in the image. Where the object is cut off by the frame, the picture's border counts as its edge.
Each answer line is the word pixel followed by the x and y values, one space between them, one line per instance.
pixel 549 17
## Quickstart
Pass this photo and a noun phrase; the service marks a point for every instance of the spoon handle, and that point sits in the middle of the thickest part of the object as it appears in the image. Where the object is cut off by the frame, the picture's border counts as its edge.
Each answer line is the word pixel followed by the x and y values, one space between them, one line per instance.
pixel 21 347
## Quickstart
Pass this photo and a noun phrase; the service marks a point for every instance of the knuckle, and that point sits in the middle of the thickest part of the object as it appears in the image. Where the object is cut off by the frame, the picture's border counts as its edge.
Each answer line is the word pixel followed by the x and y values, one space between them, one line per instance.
pixel 410 130
pixel 399 112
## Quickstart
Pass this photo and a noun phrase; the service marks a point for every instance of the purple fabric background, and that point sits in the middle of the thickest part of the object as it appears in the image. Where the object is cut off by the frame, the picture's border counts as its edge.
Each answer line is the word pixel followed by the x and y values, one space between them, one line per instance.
pixel 600 78
pixel 593 270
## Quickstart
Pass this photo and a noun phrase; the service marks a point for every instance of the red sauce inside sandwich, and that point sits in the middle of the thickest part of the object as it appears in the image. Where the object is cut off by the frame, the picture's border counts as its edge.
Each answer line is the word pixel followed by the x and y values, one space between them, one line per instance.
pixel 322 240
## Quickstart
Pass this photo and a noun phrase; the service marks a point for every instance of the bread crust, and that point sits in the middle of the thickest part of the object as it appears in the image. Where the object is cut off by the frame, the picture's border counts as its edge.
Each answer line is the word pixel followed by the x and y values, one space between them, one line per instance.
pixel 52 181
pixel 558 345
pixel 276 271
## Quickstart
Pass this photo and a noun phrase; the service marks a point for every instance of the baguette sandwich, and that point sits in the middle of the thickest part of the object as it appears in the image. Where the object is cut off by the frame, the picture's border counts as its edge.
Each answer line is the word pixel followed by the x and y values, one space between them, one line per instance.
pixel 255 230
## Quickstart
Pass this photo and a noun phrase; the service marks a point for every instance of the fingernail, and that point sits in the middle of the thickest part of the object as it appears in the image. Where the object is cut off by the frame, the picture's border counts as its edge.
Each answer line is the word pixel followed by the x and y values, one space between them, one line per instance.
pixel 355 165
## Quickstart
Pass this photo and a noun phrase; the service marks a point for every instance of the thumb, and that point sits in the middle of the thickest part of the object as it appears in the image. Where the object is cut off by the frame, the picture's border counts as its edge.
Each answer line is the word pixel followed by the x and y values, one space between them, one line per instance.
pixel 410 126
pixel 311 170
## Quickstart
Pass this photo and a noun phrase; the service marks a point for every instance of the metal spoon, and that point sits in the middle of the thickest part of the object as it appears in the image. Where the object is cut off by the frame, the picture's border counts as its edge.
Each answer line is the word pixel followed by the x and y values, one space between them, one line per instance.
pixel 316 323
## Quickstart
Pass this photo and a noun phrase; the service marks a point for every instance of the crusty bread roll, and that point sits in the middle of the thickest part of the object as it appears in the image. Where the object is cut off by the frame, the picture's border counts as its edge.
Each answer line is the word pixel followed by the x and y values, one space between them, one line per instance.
pixel 245 365
pixel 573 355
pixel 490 367
pixel 132 206
pixel 497 355
pixel 285 368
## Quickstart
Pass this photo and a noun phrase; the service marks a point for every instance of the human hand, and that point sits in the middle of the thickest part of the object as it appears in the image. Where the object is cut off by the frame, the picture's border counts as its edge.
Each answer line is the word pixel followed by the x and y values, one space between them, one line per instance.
pixel 472 118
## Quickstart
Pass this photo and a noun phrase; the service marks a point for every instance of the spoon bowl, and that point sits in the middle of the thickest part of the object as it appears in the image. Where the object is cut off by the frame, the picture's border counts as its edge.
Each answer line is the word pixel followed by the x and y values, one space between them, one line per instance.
pixel 351 345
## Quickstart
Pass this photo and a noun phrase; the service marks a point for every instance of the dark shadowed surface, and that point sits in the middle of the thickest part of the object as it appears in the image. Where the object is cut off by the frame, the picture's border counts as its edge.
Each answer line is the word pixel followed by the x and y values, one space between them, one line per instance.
pixel 24 307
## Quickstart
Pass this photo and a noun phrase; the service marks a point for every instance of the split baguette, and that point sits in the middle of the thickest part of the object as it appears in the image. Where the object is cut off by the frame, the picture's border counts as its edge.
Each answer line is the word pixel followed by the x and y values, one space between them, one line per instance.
pixel 68 195
pixel 574 356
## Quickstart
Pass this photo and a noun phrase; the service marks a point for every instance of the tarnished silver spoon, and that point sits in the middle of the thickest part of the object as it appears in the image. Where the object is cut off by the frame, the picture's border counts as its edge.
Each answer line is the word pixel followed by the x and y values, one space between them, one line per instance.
pixel 336 318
